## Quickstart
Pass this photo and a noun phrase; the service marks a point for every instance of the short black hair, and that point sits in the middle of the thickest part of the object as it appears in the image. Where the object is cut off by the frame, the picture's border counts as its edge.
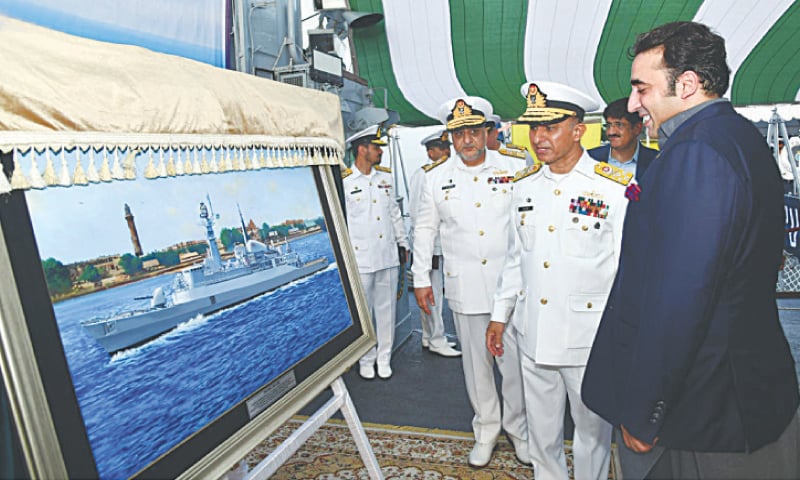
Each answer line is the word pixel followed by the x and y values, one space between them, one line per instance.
pixel 437 144
pixel 619 109
pixel 689 46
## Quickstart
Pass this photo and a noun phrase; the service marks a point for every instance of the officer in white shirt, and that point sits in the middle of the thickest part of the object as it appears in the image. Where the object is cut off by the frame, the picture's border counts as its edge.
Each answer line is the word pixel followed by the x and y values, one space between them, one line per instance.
pixel 563 252
pixel 466 201
pixel 495 141
pixel 376 230
pixel 437 146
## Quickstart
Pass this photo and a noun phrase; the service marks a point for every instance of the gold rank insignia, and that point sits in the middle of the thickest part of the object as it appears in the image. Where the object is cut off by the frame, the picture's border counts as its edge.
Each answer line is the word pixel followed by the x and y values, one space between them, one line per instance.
pixel 526 172
pixel 435 164
pixel 514 146
pixel 613 173
pixel 511 153
pixel 383 169
pixel 346 172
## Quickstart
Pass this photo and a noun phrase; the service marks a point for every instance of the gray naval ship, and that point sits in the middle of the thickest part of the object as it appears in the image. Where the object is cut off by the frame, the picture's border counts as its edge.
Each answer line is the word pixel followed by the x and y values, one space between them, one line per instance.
pixel 205 288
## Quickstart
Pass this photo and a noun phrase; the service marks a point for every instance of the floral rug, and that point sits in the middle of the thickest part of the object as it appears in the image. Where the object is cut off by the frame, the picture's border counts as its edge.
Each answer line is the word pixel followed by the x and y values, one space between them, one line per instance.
pixel 402 453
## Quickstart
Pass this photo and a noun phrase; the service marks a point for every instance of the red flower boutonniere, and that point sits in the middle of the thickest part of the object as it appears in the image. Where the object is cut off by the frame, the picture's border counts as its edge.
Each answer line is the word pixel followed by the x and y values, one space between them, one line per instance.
pixel 632 192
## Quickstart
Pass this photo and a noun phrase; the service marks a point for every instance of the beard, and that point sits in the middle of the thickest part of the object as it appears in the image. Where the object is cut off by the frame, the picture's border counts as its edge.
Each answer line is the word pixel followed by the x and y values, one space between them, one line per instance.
pixel 472 157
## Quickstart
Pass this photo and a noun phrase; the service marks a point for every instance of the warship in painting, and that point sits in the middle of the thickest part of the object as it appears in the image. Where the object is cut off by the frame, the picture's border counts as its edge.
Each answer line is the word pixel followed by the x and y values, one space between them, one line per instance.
pixel 205 288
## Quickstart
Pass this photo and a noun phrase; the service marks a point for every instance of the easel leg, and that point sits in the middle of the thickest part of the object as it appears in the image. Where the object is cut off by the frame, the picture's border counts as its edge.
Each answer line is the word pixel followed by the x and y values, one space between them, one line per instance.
pixel 340 401
pixel 359 435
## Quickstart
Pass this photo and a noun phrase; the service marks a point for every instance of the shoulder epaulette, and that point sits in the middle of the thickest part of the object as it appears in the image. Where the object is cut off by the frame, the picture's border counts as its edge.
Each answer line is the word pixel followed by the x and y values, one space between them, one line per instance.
pixel 383 169
pixel 511 153
pixel 613 173
pixel 515 146
pixel 527 172
pixel 435 164
pixel 346 173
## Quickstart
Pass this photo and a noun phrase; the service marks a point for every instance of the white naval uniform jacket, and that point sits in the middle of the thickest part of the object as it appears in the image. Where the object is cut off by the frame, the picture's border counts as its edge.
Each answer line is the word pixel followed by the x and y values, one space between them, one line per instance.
pixel 561 261
pixel 468 207
pixel 373 220
pixel 417 182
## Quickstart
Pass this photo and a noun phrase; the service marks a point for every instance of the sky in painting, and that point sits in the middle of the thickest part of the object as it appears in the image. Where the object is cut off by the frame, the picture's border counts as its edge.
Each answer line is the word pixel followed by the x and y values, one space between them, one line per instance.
pixel 84 222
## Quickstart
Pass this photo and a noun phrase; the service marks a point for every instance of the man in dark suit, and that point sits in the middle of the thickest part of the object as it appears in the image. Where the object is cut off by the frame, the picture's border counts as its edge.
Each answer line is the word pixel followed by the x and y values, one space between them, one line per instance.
pixel 623 149
pixel 690 354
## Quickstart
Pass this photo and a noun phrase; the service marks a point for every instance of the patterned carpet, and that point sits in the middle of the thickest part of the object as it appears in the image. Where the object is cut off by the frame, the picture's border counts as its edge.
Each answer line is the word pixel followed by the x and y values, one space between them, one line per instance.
pixel 403 453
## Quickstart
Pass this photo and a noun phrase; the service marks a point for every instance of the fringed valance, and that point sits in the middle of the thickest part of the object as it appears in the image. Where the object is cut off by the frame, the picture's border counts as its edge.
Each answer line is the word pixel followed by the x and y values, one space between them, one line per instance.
pixel 48 167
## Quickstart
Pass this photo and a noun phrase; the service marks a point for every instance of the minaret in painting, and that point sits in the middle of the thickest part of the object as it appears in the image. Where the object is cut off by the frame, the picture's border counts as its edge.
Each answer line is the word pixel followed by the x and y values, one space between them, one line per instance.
pixel 137 247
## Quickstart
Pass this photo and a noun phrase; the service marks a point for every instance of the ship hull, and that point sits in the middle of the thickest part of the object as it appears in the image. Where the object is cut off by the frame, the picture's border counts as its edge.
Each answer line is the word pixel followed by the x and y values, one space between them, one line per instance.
pixel 121 333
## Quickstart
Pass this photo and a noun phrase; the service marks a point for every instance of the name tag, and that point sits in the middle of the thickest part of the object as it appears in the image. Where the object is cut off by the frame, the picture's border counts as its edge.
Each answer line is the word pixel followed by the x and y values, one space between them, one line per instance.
pixel 525 208
pixel 448 187
pixel 358 190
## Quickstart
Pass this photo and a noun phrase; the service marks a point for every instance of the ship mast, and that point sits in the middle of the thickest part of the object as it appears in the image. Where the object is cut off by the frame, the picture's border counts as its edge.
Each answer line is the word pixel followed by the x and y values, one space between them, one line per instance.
pixel 244 228
pixel 214 259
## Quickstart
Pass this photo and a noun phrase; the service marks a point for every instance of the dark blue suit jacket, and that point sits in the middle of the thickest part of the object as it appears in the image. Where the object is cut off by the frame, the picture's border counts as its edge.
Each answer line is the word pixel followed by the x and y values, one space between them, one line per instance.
pixel 646 156
pixel 690 348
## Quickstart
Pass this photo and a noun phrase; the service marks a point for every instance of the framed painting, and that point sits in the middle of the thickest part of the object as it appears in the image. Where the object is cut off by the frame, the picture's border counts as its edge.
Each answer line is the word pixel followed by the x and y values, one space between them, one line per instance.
pixel 161 327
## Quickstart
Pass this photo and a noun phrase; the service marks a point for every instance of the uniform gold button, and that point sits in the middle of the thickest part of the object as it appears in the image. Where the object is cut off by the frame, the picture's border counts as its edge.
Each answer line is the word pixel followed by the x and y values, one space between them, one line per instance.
pixel 546 264
pixel 575 220
pixel 483 262
pixel 448 274
pixel 543 301
pixel 522 222
pixel 356 247
pixel 481 233
pixel 584 228
pixel 557 192
pixel 522 292
pixel 551 228
pixel 379 219
pixel 476 179
pixel 522 215
pixel 374 201
pixel 380 236
pixel 504 190
pixel 589 305
pixel 446 198
pixel 478 204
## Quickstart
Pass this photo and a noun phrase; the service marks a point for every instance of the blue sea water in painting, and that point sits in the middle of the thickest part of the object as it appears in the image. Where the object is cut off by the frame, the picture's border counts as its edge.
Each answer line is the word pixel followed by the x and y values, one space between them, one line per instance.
pixel 141 402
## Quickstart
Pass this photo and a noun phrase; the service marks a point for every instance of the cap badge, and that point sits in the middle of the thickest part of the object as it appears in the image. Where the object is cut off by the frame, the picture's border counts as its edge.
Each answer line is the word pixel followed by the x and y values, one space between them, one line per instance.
pixel 461 110
pixel 536 98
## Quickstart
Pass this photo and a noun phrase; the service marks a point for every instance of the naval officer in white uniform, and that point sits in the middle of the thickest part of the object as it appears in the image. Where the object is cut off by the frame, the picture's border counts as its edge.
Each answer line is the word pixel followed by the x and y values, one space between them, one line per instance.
pixel 376 231
pixel 563 252
pixel 437 147
pixel 466 201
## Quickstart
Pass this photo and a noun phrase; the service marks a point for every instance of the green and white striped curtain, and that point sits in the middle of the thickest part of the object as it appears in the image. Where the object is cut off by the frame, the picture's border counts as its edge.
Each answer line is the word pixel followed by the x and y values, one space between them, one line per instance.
pixel 427 51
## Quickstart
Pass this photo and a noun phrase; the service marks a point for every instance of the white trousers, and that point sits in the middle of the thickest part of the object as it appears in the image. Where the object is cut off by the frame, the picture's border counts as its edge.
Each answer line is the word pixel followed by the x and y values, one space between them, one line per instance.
pixel 546 392
pixel 380 289
pixel 433 324
pixel 479 378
